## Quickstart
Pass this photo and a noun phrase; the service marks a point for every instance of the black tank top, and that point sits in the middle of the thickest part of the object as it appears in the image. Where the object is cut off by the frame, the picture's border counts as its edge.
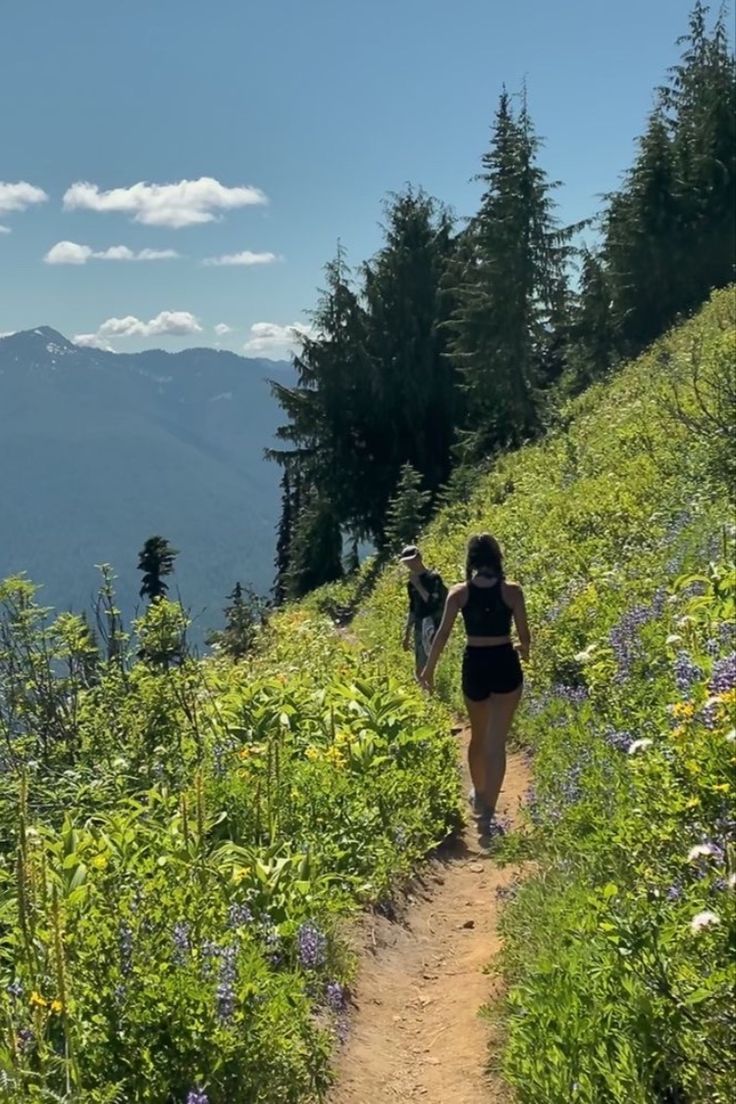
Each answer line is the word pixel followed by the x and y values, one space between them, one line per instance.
pixel 485 613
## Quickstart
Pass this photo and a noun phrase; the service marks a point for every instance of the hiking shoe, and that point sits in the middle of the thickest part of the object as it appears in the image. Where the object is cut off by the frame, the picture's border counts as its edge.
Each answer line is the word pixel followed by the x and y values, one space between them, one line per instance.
pixel 479 805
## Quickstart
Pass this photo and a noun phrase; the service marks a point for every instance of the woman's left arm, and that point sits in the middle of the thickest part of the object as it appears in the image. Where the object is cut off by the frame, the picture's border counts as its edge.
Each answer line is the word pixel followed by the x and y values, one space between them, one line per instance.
pixel 452 607
pixel 522 624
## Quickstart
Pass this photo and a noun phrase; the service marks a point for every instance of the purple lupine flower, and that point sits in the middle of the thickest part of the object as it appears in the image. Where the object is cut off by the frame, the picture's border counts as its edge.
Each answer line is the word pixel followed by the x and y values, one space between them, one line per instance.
pixel 727 633
pixel 674 893
pixel 209 953
pixel 694 590
pixel 239 915
pixel 311 946
pixel 708 715
pixel 180 937
pixel 496 827
pixel 619 740
pixel 125 947
pixel 686 672
pixel 198 1096
pixel 335 996
pixel 624 641
pixel 219 754
pixel 724 675
pixel 272 942
pixel 659 601
pixel 712 647
pixel 15 989
pixel 25 1038
pixel 571 695
pixel 226 986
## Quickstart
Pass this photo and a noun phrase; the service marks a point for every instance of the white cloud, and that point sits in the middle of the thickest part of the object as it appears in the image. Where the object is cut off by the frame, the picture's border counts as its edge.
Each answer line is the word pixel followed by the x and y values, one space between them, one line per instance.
pixel 16 197
pixel 275 341
pixel 171 323
pixel 6 333
pixel 92 341
pixel 175 205
pixel 222 328
pixel 4 229
pixel 67 252
pixel 244 258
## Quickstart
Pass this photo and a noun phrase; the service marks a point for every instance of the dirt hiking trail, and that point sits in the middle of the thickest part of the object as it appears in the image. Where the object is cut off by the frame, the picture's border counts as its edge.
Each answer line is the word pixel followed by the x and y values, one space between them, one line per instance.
pixel 415 1032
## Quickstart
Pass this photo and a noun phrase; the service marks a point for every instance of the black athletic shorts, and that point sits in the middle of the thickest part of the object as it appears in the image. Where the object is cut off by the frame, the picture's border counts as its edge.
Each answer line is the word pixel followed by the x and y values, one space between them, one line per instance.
pixel 492 670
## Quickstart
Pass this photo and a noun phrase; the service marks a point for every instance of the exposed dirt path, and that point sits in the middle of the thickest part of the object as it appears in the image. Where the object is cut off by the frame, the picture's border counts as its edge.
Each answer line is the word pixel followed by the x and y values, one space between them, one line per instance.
pixel 415 1033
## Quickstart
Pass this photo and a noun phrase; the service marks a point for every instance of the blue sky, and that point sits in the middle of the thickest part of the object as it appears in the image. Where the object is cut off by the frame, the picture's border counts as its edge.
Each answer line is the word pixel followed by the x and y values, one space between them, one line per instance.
pixel 318 106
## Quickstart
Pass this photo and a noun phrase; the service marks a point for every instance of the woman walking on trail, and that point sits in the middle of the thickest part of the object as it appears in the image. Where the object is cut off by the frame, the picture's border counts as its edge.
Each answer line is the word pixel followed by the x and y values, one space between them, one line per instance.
pixel 492 677
pixel 427 593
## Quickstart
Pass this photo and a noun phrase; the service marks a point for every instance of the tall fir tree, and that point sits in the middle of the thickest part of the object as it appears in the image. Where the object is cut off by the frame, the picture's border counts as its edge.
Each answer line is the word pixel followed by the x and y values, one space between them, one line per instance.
pixel 509 289
pixel 592 331
pixel 670 231
pixel 285 533
pixel 316 548
pixel 415 386
pixel 156 562
pixel 329 399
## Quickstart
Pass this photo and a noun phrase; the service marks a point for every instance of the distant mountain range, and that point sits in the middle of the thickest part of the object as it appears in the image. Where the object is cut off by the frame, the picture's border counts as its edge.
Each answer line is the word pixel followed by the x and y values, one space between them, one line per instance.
pixel 100 450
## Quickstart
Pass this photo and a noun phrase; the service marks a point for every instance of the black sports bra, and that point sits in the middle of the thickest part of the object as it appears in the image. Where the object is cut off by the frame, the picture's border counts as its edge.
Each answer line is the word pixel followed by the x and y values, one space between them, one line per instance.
pixel 485 613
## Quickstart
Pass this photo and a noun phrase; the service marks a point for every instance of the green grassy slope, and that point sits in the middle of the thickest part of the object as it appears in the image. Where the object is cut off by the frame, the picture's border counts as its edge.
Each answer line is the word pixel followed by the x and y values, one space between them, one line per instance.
pixel 620 950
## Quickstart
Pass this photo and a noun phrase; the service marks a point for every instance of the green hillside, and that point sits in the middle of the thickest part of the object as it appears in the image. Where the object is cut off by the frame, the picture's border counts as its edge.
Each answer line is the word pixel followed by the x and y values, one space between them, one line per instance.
pixel 180 844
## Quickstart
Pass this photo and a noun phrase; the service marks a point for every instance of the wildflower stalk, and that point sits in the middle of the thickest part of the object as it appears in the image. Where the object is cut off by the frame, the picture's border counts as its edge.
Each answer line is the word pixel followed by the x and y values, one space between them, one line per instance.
pixel 61 987
pixel 200 826
pixel 185 821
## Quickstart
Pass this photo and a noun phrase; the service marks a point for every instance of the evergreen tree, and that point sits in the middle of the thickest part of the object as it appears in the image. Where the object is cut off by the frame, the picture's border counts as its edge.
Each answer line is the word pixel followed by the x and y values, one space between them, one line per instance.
pixel 645 264
pixel 244 618
pixel 416 397
pixel 156 561
pixel 327 404
pixel 316 549
pixel 407 511
pixel 285 533
pixel 670 231
pixel 593 333
pixel 510 287
pixel 351 561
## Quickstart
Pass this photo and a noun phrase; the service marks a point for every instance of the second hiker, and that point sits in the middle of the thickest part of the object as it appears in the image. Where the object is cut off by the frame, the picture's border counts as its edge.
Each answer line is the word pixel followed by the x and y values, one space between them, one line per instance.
pixel 427 593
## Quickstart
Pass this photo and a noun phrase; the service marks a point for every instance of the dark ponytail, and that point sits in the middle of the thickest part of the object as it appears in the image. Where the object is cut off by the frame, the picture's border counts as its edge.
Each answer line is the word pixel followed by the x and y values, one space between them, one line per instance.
pixel 484 554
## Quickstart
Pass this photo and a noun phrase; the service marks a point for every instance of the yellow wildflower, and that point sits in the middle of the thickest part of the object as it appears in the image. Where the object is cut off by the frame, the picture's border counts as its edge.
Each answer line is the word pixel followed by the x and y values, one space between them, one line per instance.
pixel 722 787
pixel 37 1000
pixel 57 1006
pixel 683 709
pixel 312 753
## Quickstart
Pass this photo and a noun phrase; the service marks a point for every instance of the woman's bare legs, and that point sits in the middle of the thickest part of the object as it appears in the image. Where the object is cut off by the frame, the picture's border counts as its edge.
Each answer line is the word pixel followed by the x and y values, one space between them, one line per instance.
pixel 501 709
pixel 479 714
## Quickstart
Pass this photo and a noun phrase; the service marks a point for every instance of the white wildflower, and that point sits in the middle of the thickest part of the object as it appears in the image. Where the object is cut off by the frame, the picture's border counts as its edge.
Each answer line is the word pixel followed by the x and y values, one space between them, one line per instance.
pixel 673 638
pixel 731 736
pixel 640 745
pixel 701 850
pixel 703 920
